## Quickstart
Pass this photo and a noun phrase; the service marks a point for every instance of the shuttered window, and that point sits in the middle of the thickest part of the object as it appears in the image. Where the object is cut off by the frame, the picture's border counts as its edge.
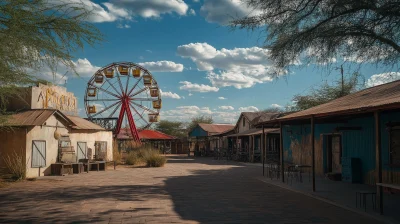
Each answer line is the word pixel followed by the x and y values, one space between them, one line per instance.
pixel 38 154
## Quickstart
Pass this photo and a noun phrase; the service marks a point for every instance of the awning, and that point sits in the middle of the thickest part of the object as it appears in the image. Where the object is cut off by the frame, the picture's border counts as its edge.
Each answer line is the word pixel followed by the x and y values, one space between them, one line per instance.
pixel 255 131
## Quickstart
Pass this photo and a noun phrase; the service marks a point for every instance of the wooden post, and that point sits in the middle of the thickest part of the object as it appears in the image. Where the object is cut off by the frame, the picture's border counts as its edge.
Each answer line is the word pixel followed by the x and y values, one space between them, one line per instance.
pixel 378 162
pixel 253 137
pixel 313 152
pixel 281 153
pixel 263 149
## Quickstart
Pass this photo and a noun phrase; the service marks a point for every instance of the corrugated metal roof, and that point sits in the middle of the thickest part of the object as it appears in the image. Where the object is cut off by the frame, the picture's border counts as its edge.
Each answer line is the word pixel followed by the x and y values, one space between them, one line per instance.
pixel 30 117
pixel 365 100
pixel 83 124
pixel 255 131
pixel 216 128
pixel 145 134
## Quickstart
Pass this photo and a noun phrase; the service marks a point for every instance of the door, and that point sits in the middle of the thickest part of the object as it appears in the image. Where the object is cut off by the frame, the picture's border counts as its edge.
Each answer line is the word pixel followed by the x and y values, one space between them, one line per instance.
pixel 334 153
pixel 82 150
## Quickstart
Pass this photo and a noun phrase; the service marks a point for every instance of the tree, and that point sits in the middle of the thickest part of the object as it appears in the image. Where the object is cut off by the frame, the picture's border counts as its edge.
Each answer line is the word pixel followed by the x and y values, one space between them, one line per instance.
pixel 40 33
pixel 321 30
pixel 174 128
pixel 199 119
pixel 326 92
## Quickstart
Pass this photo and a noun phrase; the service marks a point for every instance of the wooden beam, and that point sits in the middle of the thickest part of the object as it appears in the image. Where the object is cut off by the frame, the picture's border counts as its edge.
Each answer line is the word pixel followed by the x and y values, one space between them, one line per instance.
pixel 378 162
pixel 263 149
pixel 313 152
pixel 281 153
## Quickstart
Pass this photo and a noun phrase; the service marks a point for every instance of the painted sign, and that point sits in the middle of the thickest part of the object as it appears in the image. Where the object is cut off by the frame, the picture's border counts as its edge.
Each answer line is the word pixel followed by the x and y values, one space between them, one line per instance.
pixel 56 97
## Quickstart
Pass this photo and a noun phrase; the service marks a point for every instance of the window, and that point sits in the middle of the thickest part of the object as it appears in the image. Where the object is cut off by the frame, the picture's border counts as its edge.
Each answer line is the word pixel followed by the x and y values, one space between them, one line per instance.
pixel 244 122
pixel 394 145
pixel 38 154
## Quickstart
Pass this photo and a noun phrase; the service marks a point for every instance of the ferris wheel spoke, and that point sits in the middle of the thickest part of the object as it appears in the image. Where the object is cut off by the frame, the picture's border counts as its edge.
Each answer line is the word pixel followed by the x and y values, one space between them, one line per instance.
pixel 104 90
pixel 112 86
pixel 137 112
pixel 142 99
pixel 138 92
pixel 127 84
pixel 134 86
pixel 106 108
pixel 120 83
pixel 103 100
pixel 115 110
pixel 144 108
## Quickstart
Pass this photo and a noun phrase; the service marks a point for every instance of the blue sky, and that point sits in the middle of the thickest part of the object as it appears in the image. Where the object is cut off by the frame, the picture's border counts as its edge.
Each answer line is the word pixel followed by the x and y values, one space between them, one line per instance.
pixel 217 62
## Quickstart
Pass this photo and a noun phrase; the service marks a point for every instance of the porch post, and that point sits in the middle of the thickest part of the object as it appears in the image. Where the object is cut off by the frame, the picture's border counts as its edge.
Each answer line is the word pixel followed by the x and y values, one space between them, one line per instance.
pixel 378 162
pixel 313 152
pixel 262 149
pixel 281 152
pixel 253 137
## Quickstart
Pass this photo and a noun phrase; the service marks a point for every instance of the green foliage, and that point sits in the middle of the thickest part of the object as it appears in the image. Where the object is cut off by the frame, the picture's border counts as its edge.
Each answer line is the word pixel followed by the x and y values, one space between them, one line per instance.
pixel 40 33
pixel 318 31
pixel 174 128
pixel 133 158
pixel 154 159
pixel 326 93
pixel 199 119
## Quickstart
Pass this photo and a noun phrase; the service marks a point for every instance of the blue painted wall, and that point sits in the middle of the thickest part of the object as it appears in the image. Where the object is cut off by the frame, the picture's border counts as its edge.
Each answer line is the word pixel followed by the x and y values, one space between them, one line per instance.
pixel 355 143
pixel 198 132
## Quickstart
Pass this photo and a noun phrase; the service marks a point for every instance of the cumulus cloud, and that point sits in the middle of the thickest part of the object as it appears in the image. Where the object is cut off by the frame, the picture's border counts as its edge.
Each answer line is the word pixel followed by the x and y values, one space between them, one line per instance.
pixel 226 108
pixel 222 98
pixel 170 95
pixel 379 79
pixel 274 105
pixel 123 26
pixel 223 11
pixel 114 10
pixel 192 12
pixel 238 67
pixel 183 113
pixel 248 109
pixel 83 67
pixel 162 66
pixel 194 87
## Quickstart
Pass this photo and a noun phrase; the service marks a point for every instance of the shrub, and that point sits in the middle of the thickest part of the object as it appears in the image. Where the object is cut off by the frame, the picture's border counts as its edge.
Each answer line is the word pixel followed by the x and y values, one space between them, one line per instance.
pixel 154 159
pixel 15 164
pixel 117 157
pixel 132 158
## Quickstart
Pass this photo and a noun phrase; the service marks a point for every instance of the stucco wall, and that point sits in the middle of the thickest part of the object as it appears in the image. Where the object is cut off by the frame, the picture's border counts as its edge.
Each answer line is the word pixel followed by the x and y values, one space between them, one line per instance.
pixel 90 138
pixel 44 133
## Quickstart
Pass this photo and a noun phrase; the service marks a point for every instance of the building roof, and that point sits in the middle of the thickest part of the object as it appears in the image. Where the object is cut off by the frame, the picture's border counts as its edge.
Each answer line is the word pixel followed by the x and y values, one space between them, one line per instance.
pixel 258 117
pixel 386 96
pixel 35 117
pixel 83 124
pixel 216 128
pixel 255 131
pixel 144 135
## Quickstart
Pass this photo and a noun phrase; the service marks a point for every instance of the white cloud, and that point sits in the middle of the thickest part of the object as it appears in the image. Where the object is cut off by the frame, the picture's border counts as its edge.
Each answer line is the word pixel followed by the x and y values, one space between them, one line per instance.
pixel 149 51
pixel 274 105
pixel 223 11
pixel 185 113
pixel 379 79
pixel 123 26
pixel 196 0
pixel 170 95
pixel 197 87
pixel 226 108
pixel 61 73
pixel 222 98
pixel 248 109
pixel 126 9
pixel 162 66
pixel 192 12
pixel 190 94
pixel 238 67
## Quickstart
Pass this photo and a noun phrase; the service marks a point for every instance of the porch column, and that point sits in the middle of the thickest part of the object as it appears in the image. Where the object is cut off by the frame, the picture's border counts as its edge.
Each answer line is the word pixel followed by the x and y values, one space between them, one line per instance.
pixel 313 152
pixel 262 148
pixel 378 162
pixel 281 152
pixel 253 137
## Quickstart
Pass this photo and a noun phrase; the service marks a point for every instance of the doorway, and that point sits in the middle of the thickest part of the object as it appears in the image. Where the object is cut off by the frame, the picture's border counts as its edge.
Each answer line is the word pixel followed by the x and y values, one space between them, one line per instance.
pixel 334 154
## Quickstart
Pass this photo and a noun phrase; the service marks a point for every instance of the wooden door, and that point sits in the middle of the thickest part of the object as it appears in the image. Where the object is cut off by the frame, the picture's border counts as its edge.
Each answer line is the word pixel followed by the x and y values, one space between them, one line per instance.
pixel 82 150
pixel 336 154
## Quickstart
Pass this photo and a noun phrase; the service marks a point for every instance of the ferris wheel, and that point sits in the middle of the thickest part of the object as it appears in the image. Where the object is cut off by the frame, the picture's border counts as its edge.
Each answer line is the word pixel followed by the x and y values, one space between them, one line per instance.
pixel 123 93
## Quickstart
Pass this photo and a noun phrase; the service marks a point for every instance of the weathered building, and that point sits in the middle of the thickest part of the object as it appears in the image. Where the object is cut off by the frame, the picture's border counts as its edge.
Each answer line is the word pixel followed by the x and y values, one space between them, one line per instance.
pixel 200 136
pixel 46 130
